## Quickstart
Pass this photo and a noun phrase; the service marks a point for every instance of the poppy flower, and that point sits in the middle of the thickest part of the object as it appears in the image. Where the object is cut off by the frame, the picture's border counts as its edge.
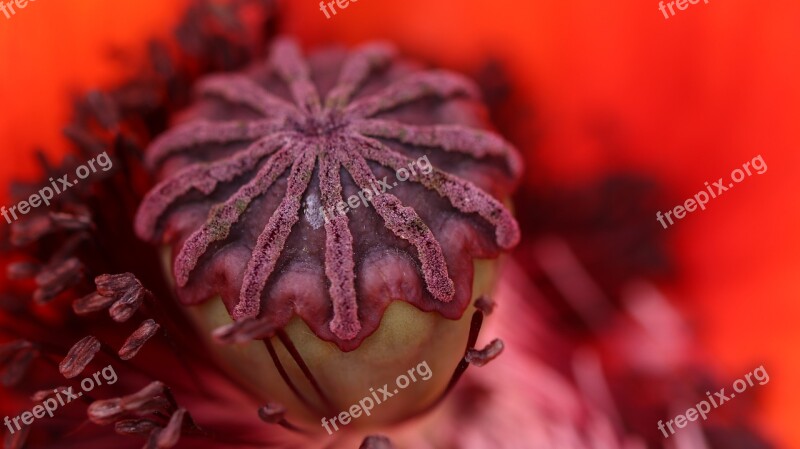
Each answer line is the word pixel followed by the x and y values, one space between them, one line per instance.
pixel 223 221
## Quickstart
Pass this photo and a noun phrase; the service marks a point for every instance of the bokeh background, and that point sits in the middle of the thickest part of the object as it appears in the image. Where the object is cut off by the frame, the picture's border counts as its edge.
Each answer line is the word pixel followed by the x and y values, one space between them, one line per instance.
pixel 606 86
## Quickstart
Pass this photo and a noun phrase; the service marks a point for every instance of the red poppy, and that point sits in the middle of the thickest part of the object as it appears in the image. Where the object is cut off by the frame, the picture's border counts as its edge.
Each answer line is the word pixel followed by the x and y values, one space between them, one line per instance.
pixel 586 93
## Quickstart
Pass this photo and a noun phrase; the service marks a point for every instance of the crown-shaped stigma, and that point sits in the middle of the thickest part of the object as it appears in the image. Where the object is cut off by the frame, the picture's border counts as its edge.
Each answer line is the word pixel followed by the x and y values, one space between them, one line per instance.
pixel 292 149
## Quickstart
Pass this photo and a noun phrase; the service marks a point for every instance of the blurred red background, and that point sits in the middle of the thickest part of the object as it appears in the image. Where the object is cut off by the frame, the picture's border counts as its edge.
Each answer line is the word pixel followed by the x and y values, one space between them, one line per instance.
pixel 686 100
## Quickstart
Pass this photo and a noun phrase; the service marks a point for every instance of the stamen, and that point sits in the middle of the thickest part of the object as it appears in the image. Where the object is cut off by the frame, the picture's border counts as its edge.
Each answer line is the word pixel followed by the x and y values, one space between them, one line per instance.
pixel 244 331
pixel 17 439
pixel 117 285
pixel 485 304
pixel 53 280
pixel 272 413
pixel 376 442
pixel 22 270
pixel 86 142
pixel 31 230
pixel 104 109
pixel 169 437
pixel 139 337
pixel 137 400
pixel 80 355
pixel 126 291
pixel 276 361
pixel 139 427
pixel 483 356
pixel 71 222
pixel 41 395
pixel 105 411
pixel 124 308
pixel 301 363
pixel 15 360
pixel 92 302
pixel 37 226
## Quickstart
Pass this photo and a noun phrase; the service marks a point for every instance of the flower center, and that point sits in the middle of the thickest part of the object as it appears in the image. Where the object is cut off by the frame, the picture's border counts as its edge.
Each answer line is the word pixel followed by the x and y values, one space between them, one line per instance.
pixel 323 124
